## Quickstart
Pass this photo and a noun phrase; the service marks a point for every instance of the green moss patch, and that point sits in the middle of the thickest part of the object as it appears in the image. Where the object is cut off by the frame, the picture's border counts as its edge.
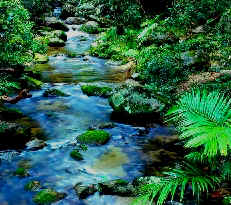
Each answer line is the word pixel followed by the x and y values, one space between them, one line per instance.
pixel 94 137
pixel 48 196
pixel 32 186
pixel 54 93
pixel 21 172
pixel 93 90
pixel 75 154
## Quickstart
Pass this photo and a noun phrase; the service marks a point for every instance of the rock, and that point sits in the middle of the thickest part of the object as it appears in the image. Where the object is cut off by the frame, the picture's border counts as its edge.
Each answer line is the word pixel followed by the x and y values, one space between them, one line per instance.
pixel 190 58
pixel 21 172
pixel 106 125
pixel 94 137
pixel 33 83
pixel 56 42
pixel 131 101
pixel 91 27
pixel 75 154
pixel 173 203
pixel 93 90
pixel 75 20
pixel 56 24
pixel 117 187
pixel 41 58
pixel 33 186
pixel 83 191
pixel 199 29
pixel 58 34
pixel 48 196
pixel 35 144
pixel 140 181
pixel 54 93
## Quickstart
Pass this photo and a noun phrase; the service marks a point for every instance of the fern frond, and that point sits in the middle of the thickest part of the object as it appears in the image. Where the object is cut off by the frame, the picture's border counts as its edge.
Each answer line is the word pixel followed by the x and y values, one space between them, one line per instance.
pixel 178 178
pixel 204 121
pixel 226 170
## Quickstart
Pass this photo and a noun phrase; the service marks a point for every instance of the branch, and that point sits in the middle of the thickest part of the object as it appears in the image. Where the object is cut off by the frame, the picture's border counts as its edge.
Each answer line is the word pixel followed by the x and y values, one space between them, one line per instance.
pixel 22 95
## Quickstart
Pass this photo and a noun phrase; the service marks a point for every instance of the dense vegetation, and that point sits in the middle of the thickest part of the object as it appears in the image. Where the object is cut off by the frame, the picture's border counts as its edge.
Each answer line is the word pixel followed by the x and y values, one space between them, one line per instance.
pixel 175 45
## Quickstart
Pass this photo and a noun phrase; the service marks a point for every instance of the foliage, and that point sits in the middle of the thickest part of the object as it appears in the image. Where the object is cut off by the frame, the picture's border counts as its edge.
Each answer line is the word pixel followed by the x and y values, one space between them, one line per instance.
pixel 7 84
pixel 75 154
pixel 203 121
pixel 17 40
pixel 93 90
pixel 46 196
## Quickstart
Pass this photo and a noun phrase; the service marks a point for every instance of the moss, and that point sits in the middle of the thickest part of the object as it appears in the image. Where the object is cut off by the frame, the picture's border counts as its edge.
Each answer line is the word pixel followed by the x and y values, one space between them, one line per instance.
pixel 32 186
pixel 75 154
pixel 92 90
pixel 89 29
pixel 21 172
pixel 48 196
pixel 33 83
pixel 95 137
pixel 54 93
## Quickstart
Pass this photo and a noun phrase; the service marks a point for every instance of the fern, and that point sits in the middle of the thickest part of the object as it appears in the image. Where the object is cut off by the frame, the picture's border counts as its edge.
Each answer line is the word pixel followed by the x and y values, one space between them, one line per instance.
pixel 204 121
pixel 178 178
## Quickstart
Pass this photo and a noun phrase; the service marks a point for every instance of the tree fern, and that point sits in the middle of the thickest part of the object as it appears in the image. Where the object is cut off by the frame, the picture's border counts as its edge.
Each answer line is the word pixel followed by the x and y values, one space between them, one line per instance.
pixel 203 120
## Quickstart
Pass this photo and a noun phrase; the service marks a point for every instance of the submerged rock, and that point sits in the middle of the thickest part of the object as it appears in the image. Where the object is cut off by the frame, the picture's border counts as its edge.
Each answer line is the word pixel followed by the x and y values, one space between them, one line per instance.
pixel 83 191
pixel 94 137
pixel 32 186
pixel 93 90
pixel 48 196
pixel 54 93
pixel 21 172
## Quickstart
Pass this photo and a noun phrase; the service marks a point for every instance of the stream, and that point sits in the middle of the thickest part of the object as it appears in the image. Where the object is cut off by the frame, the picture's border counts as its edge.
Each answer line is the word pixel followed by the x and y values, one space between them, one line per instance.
pixel 63 119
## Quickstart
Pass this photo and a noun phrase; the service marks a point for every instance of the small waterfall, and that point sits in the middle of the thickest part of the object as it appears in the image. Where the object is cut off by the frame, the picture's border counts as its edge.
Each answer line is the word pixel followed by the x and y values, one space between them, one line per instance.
pixel 57 12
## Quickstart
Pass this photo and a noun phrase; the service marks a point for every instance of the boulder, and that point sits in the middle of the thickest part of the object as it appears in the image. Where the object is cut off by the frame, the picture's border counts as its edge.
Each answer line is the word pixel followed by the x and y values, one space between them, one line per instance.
pixel 75 20
pixel 56 42
pixel 76 155
pixel 91 27
pixel 58 34
pixel 117 187
pixel 48 196
pixel 54 93
pixel 94 90
pixel 83 191
pixel 135 100
pixel 35 144
pixel 56 24
pixel 32 186
pixel 94 137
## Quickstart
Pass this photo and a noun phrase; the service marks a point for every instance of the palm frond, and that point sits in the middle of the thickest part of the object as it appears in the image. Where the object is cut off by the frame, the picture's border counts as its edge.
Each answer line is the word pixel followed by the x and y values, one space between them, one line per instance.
pixel 226 170
pixel 204 121
pixel 178 178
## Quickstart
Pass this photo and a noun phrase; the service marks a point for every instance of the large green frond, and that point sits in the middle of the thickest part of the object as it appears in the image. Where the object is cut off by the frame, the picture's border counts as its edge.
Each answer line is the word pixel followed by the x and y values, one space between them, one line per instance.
pixel 204 121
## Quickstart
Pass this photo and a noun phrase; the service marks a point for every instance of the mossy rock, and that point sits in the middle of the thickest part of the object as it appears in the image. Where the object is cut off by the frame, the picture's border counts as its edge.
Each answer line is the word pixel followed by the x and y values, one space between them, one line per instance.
pixel 32 186
pixel 93 90
pixel 33 83
pixel 21 172
pixel 94 137
pixel 56 42
pixel 75 154
pixel 42 59
pixel 54 93
pixel 48 196
pixel 91 27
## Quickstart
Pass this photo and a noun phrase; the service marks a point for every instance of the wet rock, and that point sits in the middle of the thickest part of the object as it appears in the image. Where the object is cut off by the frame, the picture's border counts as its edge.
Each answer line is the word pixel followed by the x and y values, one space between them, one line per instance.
pixel 94 90
pixel 94 137
pixel 58 34
pixel 54 93
pixel 41 58
pixel 134 101
pixel 35 144
pixel 33 186
pixel 75 20
pixel 91 27
pixel 56 24
pixel 75 154
pixel 83 191
pixel 52 106
pixel 117 187
pixel 56 42
pixel 140 181
pixel 126 69
pixel 48 196
pixel 106 125
pixel 21 172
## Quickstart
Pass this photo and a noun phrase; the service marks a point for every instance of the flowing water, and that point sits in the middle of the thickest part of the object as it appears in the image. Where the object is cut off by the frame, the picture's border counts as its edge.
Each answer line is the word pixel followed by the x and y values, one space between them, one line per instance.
pixel 64 118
